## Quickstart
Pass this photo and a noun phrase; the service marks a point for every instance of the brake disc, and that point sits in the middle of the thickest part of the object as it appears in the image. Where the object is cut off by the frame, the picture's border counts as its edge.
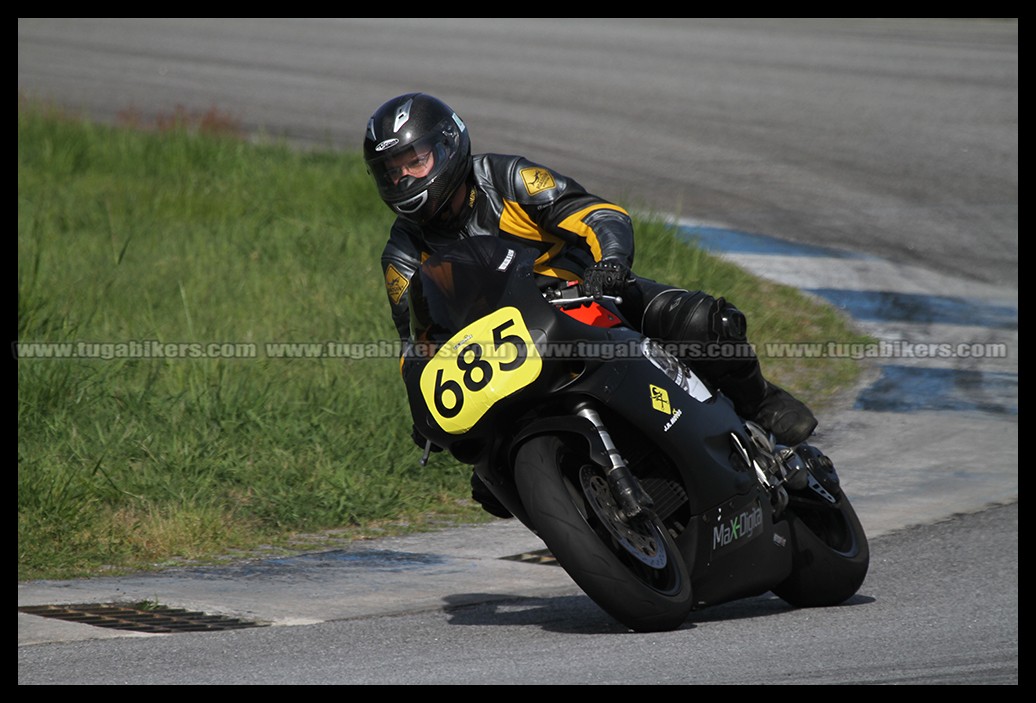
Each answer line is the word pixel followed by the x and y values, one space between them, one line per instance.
pixel 639 538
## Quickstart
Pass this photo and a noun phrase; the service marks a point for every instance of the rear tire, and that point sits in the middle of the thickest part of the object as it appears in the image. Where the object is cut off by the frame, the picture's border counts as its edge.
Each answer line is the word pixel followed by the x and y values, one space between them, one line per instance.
pixel 831 556
pixel 631 569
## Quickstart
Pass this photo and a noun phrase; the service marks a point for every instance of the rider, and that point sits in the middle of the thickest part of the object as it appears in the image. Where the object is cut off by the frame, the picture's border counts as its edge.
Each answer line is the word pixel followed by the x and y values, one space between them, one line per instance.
pixel 419 153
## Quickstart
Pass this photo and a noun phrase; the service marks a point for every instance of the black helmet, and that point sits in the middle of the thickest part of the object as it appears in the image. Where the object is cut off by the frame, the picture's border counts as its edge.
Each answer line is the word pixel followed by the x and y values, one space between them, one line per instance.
pixel 399 133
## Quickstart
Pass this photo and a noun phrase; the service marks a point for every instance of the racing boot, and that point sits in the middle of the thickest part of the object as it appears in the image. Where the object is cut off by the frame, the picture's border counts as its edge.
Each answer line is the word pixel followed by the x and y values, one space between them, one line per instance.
pixel 768 405
pixel 787 417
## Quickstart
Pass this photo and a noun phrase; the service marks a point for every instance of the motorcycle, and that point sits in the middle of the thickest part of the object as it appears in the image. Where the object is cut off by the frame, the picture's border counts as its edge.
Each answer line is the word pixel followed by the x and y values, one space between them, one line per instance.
pixel 641 479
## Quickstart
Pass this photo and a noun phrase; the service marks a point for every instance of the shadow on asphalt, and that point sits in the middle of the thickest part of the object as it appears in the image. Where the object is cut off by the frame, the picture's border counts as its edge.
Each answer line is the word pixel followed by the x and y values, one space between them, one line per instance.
pixel 577 614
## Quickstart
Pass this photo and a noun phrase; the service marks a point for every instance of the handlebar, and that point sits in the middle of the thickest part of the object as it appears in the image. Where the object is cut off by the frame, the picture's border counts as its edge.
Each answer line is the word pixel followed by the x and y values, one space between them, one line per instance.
pixel 585 299
pixel 572 293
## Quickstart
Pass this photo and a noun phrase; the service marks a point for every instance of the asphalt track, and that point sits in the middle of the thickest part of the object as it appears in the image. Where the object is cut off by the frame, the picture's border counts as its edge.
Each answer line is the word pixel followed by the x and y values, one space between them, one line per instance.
pixel 872 163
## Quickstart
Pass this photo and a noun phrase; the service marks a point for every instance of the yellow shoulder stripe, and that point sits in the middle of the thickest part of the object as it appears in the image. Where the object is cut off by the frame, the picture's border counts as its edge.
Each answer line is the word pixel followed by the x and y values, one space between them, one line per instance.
pixel 574 223
pixel 515 221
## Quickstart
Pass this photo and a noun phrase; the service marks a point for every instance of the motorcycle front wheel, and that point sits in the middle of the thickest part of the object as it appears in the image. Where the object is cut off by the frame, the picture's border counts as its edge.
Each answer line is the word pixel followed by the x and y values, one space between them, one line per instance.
pixel 631 568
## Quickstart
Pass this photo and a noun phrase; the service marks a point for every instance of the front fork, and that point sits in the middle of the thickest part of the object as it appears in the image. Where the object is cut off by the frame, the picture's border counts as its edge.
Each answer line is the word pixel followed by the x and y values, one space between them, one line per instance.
pixel 631 498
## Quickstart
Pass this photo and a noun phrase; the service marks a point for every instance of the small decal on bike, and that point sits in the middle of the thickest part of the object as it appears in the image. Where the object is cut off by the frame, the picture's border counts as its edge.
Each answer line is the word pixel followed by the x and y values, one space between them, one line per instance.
pixel 396 283
pixel 660 400
pixel 672 421
pixel 487 361
pixel 737 528
pixel 537 180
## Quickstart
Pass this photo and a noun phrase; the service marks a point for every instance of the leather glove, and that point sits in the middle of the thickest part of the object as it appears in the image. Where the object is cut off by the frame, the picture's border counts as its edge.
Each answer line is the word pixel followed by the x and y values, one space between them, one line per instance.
pixel 609 277
pixel 420 440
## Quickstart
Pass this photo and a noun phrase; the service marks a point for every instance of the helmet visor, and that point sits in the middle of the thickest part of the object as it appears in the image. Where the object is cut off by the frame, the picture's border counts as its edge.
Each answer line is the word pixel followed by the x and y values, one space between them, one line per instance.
pixel 404 171
pixel 415 161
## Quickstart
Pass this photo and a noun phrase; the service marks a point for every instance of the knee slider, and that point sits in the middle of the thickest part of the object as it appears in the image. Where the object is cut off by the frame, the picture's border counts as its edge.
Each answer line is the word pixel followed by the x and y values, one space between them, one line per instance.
pixel 680 315
pixel 729 323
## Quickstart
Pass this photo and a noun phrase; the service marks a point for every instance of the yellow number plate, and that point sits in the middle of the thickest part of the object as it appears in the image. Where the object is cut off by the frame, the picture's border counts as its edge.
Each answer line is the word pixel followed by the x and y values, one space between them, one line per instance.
pixel 488 360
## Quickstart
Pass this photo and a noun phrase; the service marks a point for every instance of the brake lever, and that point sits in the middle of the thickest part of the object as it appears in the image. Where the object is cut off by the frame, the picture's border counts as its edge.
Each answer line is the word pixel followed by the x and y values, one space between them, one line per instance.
pixel 572 293
pixel 587 299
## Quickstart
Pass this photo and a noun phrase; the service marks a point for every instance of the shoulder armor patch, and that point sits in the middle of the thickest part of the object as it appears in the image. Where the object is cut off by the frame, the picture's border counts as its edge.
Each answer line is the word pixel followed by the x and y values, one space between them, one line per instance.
pixel 537 179
pixel 396 283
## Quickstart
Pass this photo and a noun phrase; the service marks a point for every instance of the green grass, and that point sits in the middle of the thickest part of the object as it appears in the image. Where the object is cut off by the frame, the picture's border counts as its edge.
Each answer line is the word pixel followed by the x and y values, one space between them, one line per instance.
pixel 181 237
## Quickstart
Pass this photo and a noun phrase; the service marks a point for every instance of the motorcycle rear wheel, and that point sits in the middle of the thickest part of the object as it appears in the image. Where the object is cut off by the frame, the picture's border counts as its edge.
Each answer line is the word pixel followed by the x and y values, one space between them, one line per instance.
pixel 831 554
pixel 632 569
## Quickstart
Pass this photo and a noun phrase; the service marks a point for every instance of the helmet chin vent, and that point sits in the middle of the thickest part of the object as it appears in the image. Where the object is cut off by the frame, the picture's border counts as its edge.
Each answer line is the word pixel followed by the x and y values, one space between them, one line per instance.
pixel 409 207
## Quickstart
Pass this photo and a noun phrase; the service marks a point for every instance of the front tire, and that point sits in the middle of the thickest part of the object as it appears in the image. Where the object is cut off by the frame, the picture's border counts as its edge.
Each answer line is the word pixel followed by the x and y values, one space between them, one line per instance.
pixel 631 568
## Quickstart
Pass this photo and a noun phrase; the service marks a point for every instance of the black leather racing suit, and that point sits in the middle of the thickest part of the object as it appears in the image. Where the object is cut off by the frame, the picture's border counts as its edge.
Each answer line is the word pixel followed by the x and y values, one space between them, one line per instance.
pixel 529 204
pixel 524 203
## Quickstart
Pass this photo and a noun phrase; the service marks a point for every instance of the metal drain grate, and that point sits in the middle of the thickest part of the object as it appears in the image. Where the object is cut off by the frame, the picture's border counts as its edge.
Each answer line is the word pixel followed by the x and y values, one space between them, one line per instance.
pixel 155 619
pixel 543 556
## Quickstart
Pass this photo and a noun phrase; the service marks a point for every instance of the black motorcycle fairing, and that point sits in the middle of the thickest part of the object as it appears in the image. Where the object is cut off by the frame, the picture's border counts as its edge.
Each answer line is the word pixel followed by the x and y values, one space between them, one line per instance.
pixel 478 277
pixel 488 378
